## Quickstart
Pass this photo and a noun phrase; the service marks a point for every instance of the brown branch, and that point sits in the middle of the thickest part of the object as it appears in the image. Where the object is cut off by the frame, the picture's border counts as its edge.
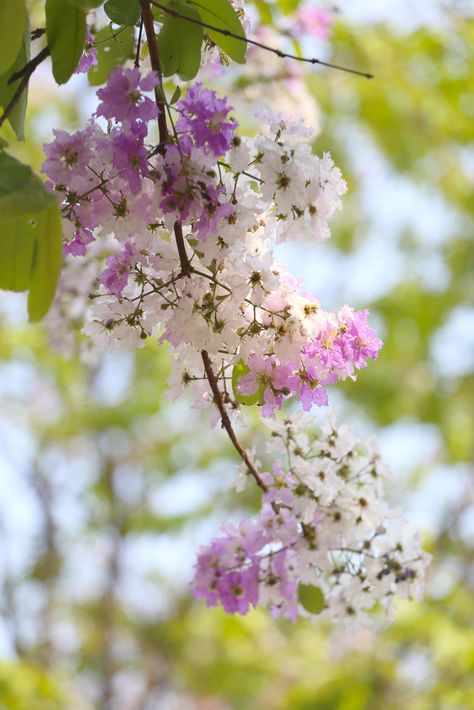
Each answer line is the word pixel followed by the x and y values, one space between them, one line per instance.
pixel 30 66
pixel 226 424
pixel 148 23
pixel 25 74
pixel 274 50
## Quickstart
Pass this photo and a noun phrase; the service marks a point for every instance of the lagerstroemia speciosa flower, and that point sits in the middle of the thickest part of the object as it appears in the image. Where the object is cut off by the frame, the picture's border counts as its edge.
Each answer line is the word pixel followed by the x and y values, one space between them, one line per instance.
pixel 221 300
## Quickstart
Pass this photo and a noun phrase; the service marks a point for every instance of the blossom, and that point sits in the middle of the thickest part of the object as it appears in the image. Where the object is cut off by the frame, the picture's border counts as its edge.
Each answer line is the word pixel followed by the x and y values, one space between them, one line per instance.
pixel 115 276
pixel 204 116
pixel 123 99
pixel 89 55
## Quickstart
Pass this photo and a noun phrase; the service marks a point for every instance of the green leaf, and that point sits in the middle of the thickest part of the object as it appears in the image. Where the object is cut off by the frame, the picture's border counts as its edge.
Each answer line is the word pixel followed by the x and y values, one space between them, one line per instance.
pixel 113 49
pixel 176 96
pixel 18 113
pixel 47 259
pixel 311 598
pixel 86 4
pixel 17 240
pixel 21 191
pixel 122 12
pixel 12 22
pixel 239 370
pixel 179 43
pixel 66 35
pixel 220 13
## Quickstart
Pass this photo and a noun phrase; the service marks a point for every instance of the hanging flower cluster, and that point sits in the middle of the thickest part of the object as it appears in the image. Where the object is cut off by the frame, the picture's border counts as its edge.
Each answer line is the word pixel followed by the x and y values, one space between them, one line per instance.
pixel 183 228
pixel 325 541
pixel 232 197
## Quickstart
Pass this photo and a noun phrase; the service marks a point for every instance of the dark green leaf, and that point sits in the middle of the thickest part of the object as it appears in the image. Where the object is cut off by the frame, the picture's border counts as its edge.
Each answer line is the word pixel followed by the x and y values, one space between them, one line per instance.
pixel 220 13
pixel 12 22
pixel 16 117
pixel 179 43
pixel 66 35
pixel 114 47
pixel 239 370
pixel 122 12
pixel 47 259
pixel 311 598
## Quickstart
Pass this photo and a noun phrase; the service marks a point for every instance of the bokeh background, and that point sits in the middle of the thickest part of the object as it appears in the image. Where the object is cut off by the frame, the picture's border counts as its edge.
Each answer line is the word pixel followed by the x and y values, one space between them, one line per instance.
pixel 107 489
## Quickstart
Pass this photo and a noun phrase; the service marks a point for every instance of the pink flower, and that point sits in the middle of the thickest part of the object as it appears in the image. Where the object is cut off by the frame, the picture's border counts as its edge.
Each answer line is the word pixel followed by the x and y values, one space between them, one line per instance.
pixel 67 156
pixel 77 245
pixel 204 115
pixel 122 98
pixel 89 56
pixel 314 21
pixel 115 276
pixel 130 156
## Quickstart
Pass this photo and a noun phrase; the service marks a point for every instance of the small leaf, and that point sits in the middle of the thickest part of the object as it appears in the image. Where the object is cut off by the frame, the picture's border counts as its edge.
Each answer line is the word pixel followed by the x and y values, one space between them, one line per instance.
pixel 17 115
pixel 114 47
pixel 311 598
pixel 47 260
pixel 176 96
pixel 220 13
pixel 66 35
pixel 179 43
pixel 239 370
pixel 123 12
pixel 12 22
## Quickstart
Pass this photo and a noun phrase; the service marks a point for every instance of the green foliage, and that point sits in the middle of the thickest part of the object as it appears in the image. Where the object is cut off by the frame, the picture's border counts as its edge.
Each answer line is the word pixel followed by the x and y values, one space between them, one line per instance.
pixel 21 191
pixel 221 14
pixel 23 687
pixel 30 236
pixel 122 12
pixel 7 91
pixel 179 42
pixel 46 265
pixel 66 35
pixel 114 47
pixel 311 598
pixel 12 22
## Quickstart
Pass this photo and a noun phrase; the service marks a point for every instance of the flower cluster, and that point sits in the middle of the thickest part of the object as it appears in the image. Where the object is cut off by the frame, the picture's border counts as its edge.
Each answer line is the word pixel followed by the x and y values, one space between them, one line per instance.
pixel 231 197
pixel 183 230
pixel 323 526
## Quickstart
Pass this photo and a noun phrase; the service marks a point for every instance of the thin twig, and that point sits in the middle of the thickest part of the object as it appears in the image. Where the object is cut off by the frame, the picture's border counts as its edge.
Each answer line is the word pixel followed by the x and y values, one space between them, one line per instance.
pixel 226 424
pixel 137 56
pixel 274 50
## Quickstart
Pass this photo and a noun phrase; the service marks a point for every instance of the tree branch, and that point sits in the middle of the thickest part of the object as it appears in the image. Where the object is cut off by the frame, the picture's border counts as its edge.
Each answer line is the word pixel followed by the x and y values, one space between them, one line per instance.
pixel 274 50
pixel 226 424
pixel 25 74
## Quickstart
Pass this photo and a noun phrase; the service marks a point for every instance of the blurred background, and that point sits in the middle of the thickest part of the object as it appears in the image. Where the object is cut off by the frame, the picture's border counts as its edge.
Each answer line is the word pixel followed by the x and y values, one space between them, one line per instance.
pixel 107 489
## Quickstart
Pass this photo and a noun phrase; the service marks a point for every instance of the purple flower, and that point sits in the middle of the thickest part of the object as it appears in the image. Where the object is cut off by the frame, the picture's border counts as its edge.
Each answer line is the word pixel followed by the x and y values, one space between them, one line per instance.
pixel 122 98
pixel 77 245
pixel 67 156
pixel 204 115
pixel 115 276
pixel 89 56
pixel 364 342
pixel 130 156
